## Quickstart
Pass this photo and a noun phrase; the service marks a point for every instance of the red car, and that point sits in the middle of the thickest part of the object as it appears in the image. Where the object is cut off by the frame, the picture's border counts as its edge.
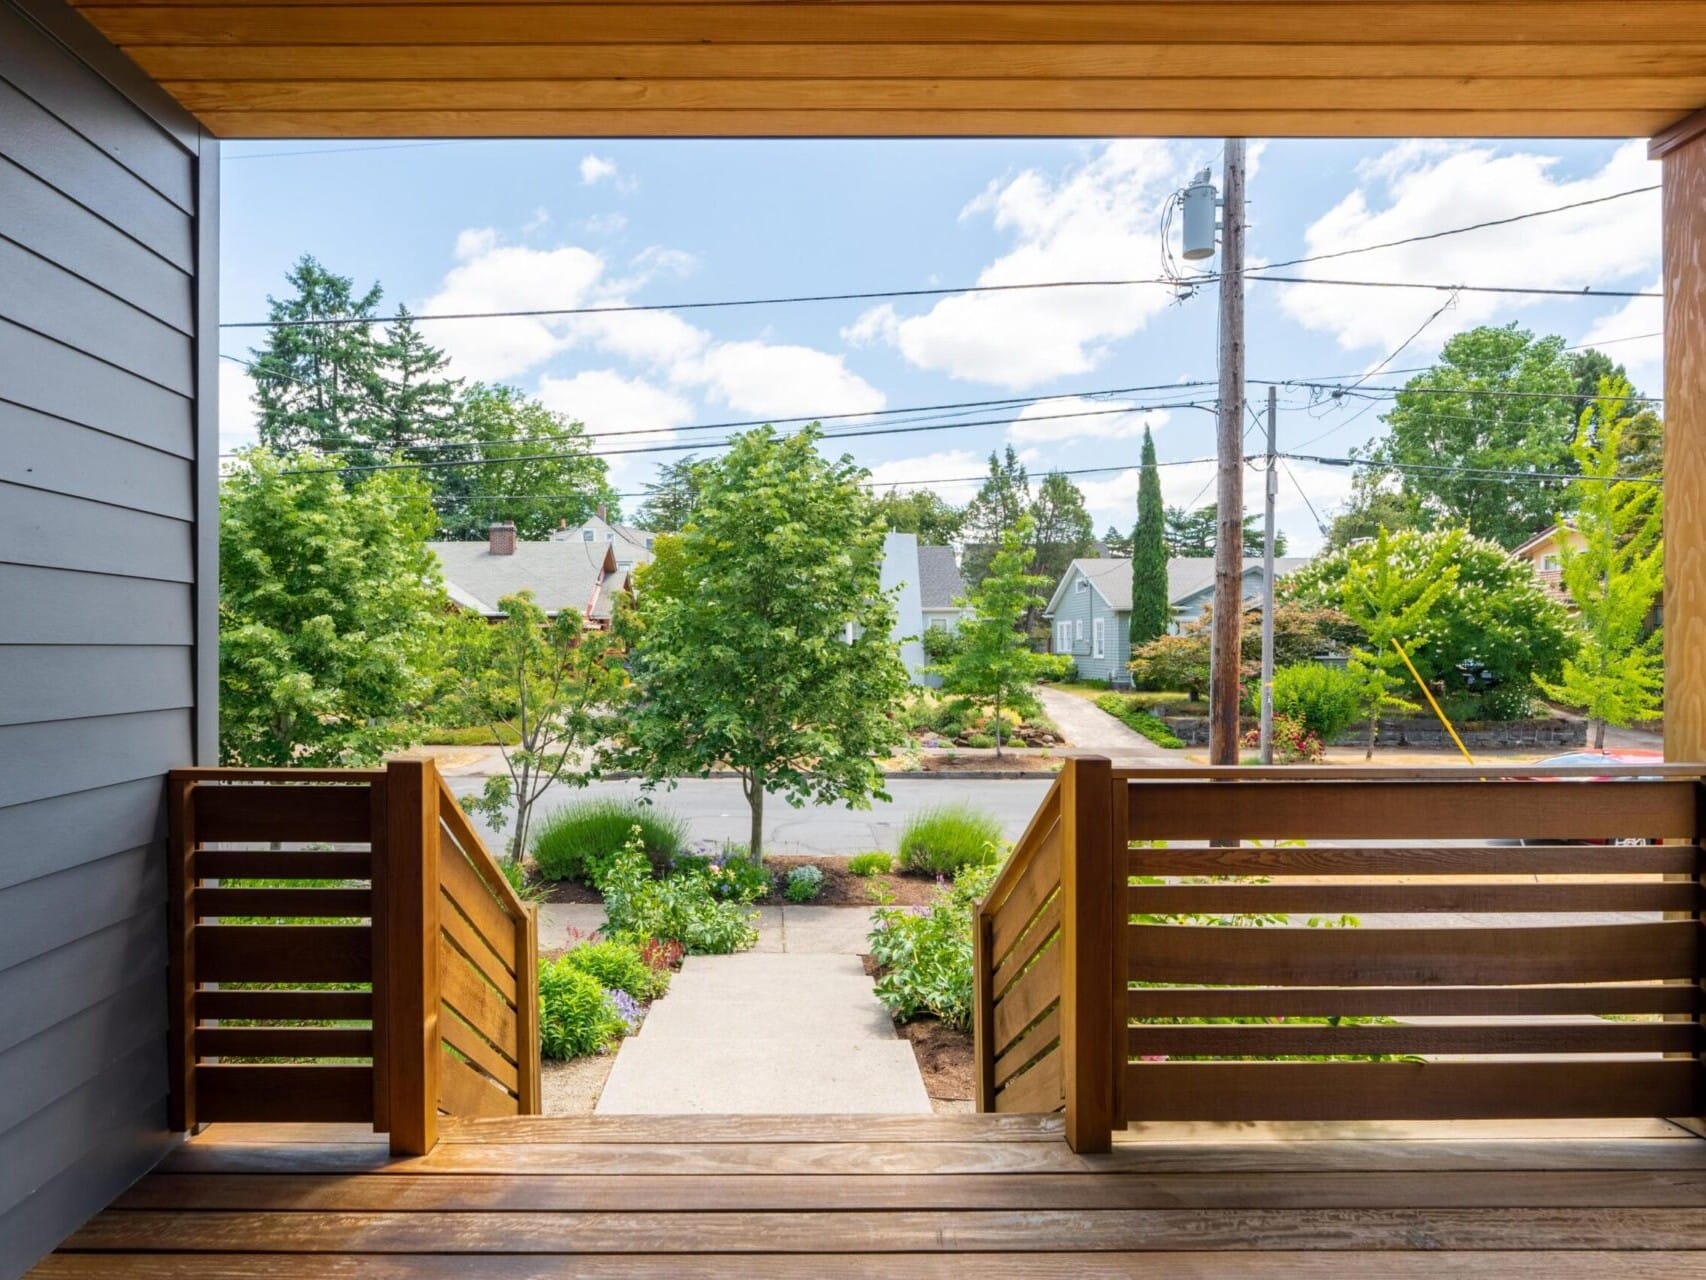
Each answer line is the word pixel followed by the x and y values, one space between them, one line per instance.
pixel 1624 755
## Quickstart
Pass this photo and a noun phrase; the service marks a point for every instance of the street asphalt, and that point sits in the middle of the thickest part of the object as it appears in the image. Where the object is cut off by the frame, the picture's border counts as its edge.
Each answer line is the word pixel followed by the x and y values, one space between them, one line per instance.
pixel 715 810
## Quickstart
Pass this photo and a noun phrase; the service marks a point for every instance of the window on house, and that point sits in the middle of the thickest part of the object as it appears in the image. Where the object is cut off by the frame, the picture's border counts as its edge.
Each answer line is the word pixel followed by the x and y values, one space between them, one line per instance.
pixel 1550 564
pixel 586 535
pixel 1083 584
pixel 1098 642
pixel 938 624
pixel 1063 637
pixel 1078 629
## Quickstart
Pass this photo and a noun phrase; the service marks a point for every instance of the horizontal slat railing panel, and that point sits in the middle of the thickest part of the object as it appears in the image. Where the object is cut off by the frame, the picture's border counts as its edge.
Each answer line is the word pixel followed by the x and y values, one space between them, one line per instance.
pixel 1047 813
pixel 1223 1091
pixel 1305 1040
pixel 1039 879
pixel 1176 954
pixel 1409 810
pixel 1397 1002
pixel 465 838
pixel 284 1042
pixel 243 813
pixel 293 1006
pixel 1410 860
pixel 479 1003
pixel 1037 1040
pixel 477 1049
pixel 1040 1089
pixel 1043 932
pixel 283 864
pixel 285 903
pixel 284 1093
pixel 495 966
pixel 465 888
pixel 463 1091
pixel 1034 992
pixel 283 953
pixel 1340 899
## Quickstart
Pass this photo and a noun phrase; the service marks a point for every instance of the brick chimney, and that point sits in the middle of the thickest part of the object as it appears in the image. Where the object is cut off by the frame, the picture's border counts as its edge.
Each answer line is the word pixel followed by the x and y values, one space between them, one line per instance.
pixel 602 515
pixel 500 538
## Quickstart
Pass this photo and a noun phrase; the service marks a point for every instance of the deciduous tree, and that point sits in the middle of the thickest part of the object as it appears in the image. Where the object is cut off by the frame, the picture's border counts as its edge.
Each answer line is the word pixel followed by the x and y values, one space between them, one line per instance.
pixel 1001 500
pixel 924 512
pixel 760 639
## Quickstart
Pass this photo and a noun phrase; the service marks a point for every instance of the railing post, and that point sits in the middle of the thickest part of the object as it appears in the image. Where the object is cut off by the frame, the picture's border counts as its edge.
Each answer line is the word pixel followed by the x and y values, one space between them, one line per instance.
pixel 411 974
pixel 527 1011
pixel 180 955
pixel 983 1006
pixel 1088 914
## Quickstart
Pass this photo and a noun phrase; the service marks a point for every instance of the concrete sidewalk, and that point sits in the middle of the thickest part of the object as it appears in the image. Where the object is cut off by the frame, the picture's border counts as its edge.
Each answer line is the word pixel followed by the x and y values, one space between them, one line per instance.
pixel 792 1028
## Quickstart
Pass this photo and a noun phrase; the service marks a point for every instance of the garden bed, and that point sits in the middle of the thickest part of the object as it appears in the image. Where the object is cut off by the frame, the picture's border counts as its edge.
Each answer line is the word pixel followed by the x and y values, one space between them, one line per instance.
pixel 841 888
pixel 947 1062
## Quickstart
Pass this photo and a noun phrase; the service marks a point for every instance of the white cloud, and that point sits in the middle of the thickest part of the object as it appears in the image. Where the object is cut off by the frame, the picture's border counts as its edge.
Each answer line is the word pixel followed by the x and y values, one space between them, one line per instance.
pixel 606 401
pixel 595 169
pixel 939 472
pixel 1420 186
pixel 1098 220
pixel 1624 335
pixel 236 407
pixel 778 379
pixel 1052 421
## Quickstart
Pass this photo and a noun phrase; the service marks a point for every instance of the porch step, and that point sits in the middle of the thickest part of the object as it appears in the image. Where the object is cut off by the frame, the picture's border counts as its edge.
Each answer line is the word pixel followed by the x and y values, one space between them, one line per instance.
pixel 756 1034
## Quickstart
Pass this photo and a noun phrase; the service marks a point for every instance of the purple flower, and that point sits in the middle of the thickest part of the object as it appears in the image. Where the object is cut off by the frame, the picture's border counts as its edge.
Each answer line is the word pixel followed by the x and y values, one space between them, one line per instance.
pixel 627 1008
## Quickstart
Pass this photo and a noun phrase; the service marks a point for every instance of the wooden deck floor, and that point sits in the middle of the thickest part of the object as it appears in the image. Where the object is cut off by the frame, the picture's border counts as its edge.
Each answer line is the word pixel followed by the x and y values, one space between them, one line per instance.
pixel 982 1196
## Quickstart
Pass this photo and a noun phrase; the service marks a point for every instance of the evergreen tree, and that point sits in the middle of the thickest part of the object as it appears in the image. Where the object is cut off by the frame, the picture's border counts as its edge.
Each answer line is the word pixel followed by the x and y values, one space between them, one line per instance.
pixel 1117 543
pixel 1001 501
pixel 1614 577
pixel 1062 533
pixel 318 385
pixel 419 401
pixel 1151 608
pixel 1194 533
pixel 672 495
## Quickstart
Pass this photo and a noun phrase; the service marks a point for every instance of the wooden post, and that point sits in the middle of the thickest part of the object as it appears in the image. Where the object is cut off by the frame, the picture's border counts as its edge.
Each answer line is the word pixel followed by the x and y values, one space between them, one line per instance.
pixel 1682 148
pixel 379 877
pixel 180 953
pixel 527 1010
pixel 1119 832
pixel 411 973
pixel 1087 938
pixel 983 1006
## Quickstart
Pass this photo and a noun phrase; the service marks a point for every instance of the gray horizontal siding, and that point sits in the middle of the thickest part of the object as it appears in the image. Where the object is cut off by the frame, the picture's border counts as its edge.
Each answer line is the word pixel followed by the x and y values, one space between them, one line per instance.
pixel 49 453
pixel 42 682
pixel 55 531
pixel 106 593
pixel 64 606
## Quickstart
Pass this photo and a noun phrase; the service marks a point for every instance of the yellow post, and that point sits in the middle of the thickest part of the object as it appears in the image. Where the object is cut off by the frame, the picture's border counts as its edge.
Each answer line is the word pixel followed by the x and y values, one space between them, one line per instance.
pixel 1429 695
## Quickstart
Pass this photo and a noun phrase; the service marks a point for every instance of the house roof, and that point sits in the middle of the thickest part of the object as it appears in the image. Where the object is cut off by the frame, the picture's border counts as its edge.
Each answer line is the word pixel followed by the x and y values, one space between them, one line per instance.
pixel 940 585
pixel 1187 576
pixel 632 543
pixel 1544 536
pixel 562 574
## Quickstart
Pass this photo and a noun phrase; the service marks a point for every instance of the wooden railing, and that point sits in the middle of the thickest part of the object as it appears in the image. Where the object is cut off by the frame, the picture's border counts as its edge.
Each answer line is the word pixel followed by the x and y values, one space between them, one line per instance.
pixel 380 969
pixel 1212 945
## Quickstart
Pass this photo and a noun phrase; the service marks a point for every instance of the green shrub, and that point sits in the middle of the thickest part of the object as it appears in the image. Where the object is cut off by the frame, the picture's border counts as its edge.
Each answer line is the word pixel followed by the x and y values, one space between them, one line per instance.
pixel 1054 668
pixel 467 735
pixel 804 884
pixel 1133 716
pixel 581 840
pixel 927 955
pixel 577 1017
pixel 619 966
pixel 870 864
pixel 679 908
pixel 983 740
pixel 732 874
pixel 942 840
pixel 528 890
pixel 1326 700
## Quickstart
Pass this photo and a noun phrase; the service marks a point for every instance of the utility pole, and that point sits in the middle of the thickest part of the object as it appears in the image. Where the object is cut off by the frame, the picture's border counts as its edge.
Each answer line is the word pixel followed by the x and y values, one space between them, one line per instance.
pixel 1229 540
pixel 1268 586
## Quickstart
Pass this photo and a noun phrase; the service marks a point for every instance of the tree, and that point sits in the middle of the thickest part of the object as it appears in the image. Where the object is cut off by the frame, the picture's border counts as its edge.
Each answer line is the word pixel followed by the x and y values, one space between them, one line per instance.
pixel 553 685
pixel 923 512
pixel 992 659
pixel 760 639
pixel 330 611
pixel 1372 508
pixel 317 380
pixel 1151 604
pixel 1614 577
pixel 1062 533
pixel 1641 447
pixel 1117 543
pixel 1194 533
pixel 1303 632
pixel 419 402
pixel 1498 400
pixel 672 495
pixel 524 463
pixel 1002 499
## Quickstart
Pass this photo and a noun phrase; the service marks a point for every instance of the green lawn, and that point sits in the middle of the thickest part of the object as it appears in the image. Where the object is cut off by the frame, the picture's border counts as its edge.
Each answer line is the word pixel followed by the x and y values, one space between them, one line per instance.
pixel 473 735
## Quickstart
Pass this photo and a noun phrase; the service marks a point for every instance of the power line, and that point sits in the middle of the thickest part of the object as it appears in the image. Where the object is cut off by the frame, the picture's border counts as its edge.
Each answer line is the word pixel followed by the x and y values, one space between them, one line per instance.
pixel 1586 291
pixel 1453 391
pixel 1568 477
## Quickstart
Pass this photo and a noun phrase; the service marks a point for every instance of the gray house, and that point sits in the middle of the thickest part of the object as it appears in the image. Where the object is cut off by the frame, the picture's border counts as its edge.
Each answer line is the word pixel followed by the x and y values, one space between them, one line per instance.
pixel 561 574
pixel 926 584
pixel 1090 610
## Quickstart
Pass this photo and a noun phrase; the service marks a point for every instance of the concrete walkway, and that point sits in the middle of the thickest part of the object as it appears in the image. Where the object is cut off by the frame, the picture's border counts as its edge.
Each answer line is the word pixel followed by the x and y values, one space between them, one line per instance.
pixel 792 1028
pixel 1088 728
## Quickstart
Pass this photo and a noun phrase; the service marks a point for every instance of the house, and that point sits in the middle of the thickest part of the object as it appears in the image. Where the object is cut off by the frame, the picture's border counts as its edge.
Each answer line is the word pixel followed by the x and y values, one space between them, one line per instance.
pixel 561 573
pixel 1544 554
pixel 632 545
pixel 926 584
pixel 1091 607
pixel 940 588
pixel 111 129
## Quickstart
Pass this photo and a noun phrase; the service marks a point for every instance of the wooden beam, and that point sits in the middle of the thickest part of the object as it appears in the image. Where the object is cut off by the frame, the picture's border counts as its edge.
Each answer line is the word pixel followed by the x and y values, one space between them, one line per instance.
pixel 1671 137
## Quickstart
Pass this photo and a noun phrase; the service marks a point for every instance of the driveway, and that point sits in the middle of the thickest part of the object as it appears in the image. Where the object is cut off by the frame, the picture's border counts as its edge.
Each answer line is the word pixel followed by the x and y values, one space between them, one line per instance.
pixel 716 810
pixel 1088 728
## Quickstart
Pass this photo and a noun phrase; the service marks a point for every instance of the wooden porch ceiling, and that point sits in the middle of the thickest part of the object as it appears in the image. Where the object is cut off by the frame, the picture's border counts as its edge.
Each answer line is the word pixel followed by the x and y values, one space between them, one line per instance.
pixel 898 68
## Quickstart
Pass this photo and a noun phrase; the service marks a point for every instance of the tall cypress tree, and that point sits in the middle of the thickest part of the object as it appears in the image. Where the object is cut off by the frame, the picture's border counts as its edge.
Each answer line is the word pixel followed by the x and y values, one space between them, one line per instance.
pixel 1150 609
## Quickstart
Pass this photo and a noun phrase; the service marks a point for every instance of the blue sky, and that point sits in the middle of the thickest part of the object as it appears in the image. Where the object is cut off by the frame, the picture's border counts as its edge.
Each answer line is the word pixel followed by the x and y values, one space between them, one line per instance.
pixel 481 226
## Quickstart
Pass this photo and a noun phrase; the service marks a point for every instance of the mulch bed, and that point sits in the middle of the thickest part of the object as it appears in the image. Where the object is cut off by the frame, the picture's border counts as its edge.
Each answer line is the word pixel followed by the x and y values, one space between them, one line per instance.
pixel 1016 763
pixel 945 1059
pixel 841 888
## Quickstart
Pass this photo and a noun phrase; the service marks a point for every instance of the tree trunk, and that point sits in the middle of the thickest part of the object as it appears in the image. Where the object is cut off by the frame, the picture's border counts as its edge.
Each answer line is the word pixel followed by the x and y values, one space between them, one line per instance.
pixel 755 802
pixel 998 727
pixel 1373 728
pixel 1599 735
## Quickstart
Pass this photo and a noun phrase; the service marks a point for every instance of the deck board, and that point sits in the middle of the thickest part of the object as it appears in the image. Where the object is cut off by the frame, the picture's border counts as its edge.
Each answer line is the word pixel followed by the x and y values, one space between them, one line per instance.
pixel 949 1196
